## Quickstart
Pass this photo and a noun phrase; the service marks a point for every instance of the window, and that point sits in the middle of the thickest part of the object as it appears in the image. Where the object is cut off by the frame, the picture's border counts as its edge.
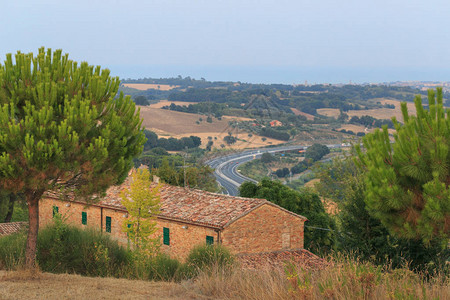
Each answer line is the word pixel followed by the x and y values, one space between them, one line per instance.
pixel 55 210
pixel 209 240
pixel 166 236
pixel 84 218
pixel 108 224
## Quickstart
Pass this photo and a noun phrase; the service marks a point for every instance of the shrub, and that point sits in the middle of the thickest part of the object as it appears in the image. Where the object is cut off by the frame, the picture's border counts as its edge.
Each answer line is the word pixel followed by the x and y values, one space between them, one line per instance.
pixel 159 267
pixel 66 249
pixel 12 250
pixel 205 257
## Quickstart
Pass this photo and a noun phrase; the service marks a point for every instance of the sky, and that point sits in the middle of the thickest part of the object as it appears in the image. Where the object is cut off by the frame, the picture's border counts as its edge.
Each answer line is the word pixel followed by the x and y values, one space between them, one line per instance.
pixel 241 40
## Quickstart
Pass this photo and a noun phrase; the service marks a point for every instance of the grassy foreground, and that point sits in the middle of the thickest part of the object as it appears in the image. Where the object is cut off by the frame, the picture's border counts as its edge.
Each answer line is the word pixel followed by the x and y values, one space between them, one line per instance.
pixel 209 272
pixel 341 279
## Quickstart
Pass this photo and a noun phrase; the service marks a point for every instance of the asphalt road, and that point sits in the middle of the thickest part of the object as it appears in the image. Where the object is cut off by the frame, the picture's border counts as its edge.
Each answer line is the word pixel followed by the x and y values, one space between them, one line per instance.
pixel 225 168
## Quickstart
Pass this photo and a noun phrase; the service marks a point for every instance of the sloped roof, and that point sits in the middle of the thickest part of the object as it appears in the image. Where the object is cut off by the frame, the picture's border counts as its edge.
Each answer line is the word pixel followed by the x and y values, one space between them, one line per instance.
pixel 10 228
pixel 193 206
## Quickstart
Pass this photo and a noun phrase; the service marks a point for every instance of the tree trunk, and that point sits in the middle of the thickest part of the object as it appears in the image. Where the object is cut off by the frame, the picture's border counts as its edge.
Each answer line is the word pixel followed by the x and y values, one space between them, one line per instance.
pixel 12 200
pixel 32 198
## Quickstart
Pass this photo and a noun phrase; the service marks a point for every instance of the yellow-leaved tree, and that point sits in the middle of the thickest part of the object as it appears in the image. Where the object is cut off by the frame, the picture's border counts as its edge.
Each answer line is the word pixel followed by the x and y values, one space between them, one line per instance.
pixel 142 203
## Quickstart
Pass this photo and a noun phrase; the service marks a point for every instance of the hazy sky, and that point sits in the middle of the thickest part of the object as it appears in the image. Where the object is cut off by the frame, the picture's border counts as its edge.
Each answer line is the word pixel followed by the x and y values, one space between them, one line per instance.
pixel 245 40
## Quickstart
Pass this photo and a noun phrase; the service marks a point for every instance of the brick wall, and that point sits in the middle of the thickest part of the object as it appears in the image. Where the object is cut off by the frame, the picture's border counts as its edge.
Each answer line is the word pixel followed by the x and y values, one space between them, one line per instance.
pixel 267 228
pixel 182 240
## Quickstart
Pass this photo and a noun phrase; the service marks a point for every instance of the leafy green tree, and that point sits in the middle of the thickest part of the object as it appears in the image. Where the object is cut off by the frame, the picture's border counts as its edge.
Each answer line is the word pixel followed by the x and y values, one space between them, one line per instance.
pixel 319 233
pixel 152 140
pixel 142 203
pixel 61 126
pixel 316 152
pixel 407 182
pixel 197 176
pixel 141 100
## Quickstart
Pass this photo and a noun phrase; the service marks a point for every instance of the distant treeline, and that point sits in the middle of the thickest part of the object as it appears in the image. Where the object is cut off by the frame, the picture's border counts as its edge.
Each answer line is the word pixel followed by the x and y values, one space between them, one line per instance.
pixel 306 98
pixel 170 144
pixel 369 121
pixel 275 134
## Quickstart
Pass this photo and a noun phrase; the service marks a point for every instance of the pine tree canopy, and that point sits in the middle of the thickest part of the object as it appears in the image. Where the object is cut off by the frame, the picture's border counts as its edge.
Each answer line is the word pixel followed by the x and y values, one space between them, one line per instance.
pixel 407 182
pixel 61 126
pixel 61 123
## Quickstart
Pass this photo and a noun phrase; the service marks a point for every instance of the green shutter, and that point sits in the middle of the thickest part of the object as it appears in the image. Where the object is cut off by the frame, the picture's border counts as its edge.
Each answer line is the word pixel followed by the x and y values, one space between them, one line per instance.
pixel 55 210
pixel 84 218
pixel 108 224
pixel 166 236
pixel 209 240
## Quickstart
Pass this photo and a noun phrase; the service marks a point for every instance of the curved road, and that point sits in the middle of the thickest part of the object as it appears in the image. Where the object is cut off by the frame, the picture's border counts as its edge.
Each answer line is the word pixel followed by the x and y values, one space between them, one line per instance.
pixel 225 168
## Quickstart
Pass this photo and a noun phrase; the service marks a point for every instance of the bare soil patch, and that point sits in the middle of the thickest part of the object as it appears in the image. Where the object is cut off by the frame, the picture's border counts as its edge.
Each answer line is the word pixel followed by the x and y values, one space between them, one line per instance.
pixel 148 86
pixel 24 285
pixel 300 113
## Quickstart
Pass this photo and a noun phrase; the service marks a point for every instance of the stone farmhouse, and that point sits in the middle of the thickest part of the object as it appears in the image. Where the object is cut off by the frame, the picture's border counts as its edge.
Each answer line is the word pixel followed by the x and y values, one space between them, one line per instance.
pixel 190 217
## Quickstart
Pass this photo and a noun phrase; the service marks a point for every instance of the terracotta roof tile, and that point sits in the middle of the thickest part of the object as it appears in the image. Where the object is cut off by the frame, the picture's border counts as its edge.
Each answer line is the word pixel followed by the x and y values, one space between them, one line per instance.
pixel 190 205
pixel 193 206
pixel 10 228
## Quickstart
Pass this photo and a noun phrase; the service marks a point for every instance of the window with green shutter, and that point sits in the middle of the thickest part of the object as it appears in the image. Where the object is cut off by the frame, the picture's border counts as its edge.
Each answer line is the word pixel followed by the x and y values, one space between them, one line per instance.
pixel 108 224
pixel 209 240
pixel 166 236
pixel 84 218
pixel 55 210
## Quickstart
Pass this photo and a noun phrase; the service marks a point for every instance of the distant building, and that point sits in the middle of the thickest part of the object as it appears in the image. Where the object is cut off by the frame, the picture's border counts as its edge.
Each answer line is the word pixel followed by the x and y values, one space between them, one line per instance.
pixel 275 123
pixel 190 217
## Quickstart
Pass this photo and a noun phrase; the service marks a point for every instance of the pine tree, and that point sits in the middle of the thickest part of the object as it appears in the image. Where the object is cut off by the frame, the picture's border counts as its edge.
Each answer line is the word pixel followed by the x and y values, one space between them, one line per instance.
pixel 142 204
pixel 61 127
pixel 407 182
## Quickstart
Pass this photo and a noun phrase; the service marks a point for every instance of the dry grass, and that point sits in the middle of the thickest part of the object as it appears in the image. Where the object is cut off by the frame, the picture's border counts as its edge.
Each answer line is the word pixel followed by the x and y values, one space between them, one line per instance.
pixel 339 279
pixel 26 285
pixel 147 86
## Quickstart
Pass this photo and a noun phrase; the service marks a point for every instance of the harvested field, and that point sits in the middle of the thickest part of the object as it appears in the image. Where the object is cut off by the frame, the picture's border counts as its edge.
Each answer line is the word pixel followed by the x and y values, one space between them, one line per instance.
pixel 147 86
pixel 329 112
pixel 385 113
pixel 300 113
pixel 167 123
pixel 167 103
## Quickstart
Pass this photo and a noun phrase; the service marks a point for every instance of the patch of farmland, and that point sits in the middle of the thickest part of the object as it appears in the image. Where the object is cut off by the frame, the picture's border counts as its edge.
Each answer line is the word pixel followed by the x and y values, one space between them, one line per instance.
pixel 385 113
pixel 329 112
pixel 300 113
pixel 167 123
